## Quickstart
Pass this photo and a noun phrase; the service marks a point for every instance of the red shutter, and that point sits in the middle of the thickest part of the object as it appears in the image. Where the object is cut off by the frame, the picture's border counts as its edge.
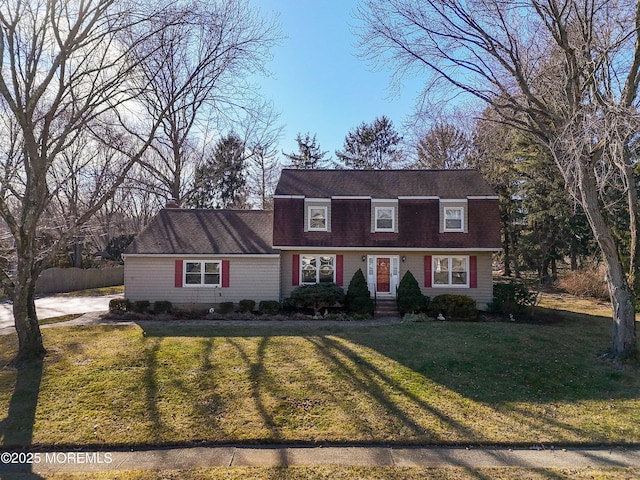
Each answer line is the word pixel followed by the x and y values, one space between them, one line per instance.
pixel 427 270
pixel 473 271
pixel 178 274
pixel 295 270
pixel 225 273
pixel 339 269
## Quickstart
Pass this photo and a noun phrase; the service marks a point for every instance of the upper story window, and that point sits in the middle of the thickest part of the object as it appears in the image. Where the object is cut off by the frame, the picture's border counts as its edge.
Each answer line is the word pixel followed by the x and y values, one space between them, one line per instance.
pixel 385 219
pixel 317 269
pixel 454 219
pixel 317 219
pixel 202 273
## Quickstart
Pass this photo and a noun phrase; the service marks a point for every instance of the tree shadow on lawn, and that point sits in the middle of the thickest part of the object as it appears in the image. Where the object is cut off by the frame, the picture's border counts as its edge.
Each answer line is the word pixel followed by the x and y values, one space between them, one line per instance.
pixel 494 363
pixel 521 371
pixel 16 430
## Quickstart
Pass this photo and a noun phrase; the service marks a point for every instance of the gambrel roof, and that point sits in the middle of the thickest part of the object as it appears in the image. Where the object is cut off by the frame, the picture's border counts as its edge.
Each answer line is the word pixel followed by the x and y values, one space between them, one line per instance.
pixel 450 184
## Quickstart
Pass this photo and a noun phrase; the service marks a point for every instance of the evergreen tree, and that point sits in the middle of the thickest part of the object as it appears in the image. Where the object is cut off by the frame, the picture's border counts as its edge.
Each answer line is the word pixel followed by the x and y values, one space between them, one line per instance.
pixel 309 155
pixel 220 181
pixel 358 298
pixel 372 146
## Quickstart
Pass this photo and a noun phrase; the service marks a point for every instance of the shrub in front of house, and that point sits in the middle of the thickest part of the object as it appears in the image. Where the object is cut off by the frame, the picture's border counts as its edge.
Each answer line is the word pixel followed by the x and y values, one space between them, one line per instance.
pixel 245 306
pixel 141 306
pixel 119 306
pixel 410 298
pixel 358 298
pixel 225 307
pixel 162 306
pixel 269 307
pixel 511 297
pixel 453 307
pixel 317 296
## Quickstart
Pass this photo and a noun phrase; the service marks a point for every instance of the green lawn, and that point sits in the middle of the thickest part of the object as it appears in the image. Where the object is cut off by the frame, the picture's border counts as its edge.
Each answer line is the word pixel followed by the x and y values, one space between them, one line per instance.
pixel 445 383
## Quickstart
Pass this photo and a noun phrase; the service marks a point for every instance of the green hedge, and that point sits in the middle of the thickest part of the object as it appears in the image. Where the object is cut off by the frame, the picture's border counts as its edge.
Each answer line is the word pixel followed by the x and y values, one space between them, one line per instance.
pixel 318 296
pixel 453 307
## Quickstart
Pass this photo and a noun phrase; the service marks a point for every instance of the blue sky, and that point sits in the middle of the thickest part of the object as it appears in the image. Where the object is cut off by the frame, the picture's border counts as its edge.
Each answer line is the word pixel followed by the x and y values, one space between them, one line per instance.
pixel 318 83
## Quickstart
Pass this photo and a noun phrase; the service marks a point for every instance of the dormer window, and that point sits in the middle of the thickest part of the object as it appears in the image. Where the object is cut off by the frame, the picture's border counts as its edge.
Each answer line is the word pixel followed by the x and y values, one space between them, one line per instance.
pixel 385 217
pixel 454 219
pixel 318 219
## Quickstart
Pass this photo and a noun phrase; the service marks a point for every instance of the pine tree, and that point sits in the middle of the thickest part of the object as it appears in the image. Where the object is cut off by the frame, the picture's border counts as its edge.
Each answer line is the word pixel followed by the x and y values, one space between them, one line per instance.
pixel 309 155
pixel 220 182
pixel 372 146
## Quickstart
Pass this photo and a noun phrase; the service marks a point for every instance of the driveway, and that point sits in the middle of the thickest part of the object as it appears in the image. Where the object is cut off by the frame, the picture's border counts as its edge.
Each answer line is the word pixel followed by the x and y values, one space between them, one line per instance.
pixel 57 305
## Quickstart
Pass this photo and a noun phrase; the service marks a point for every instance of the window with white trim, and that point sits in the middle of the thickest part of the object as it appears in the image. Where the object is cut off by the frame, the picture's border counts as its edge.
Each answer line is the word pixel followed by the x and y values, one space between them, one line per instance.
pixel 317 218
pixel 454 219
pixel 202 273
pixel 385 219
pixel 450 271
pixel 317 269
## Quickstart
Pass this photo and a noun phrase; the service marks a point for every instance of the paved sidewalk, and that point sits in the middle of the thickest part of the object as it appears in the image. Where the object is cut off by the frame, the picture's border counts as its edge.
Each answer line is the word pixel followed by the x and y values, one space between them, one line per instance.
pixel 271 456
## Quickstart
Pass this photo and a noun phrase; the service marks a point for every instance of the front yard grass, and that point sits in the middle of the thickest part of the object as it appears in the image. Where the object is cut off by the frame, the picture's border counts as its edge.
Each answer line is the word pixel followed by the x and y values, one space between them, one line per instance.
pixel 424 383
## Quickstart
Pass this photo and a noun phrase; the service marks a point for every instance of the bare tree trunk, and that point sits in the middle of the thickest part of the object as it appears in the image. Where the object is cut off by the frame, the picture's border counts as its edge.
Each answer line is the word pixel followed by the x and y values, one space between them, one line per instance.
pixel 30 346
pixel 622 304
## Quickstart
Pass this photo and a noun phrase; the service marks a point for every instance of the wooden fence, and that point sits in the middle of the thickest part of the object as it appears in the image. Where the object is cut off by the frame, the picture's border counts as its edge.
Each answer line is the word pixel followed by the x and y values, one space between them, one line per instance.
pixel 58 280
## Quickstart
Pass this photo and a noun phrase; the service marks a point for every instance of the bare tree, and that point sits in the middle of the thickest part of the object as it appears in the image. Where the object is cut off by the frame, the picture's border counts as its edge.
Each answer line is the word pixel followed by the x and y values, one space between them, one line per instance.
pixel 444 146
pixel 565 70
pixel 262 135
pixel 208 63
pixel 65 79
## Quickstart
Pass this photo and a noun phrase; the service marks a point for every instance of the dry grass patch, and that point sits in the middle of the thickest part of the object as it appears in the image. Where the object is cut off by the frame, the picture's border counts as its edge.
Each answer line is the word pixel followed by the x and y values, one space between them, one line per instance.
pixel 362 473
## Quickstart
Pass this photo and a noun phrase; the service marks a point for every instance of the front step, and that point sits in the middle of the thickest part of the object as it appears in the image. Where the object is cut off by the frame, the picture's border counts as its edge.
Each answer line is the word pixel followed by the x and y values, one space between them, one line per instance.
pixel 386 308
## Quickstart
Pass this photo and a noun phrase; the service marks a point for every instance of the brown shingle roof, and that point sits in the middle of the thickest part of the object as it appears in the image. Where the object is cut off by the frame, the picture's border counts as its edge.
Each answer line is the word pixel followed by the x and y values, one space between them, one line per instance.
pixel 383 183
pixel 200 231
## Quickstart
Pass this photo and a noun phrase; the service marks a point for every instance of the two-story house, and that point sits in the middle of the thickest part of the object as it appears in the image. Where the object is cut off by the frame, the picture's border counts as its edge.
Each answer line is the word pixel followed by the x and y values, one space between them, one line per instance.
pixel 442 225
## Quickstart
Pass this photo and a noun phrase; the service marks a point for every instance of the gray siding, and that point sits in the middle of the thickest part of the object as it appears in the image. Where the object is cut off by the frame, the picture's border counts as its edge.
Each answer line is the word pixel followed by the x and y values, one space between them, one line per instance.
pixel 153 279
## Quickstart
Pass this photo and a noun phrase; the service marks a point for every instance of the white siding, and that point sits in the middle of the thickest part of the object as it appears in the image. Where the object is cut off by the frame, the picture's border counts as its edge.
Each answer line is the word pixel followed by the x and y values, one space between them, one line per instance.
pixel 152 279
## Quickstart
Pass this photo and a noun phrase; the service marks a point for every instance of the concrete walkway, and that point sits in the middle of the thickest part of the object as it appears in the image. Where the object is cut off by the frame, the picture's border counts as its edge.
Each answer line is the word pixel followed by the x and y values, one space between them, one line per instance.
pixel 282 456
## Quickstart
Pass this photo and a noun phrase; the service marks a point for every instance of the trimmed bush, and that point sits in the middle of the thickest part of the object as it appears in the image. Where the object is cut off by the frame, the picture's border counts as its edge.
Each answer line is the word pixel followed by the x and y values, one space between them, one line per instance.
pixel 119 306
pixel 269 307
pixel 225 307
pixel 453 307
pixel 511 297
pixel 410 297
pixel 358 298
pixel 162 306
pixel 141 306
pixel 246 306
pixel 318 296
